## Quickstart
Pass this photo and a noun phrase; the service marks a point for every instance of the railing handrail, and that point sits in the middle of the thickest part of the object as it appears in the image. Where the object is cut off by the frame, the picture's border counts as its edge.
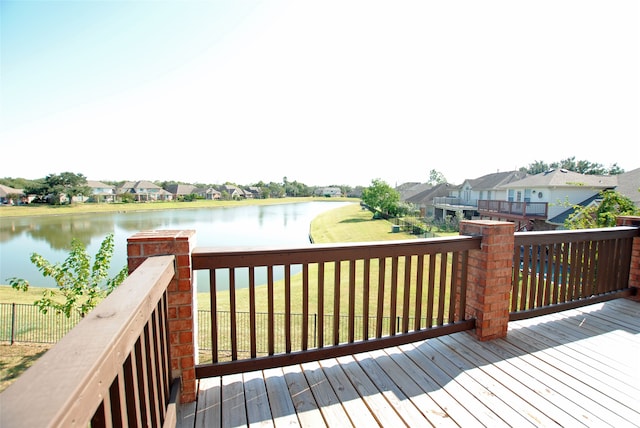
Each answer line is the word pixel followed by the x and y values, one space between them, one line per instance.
pixel 221 257
pixel 73 378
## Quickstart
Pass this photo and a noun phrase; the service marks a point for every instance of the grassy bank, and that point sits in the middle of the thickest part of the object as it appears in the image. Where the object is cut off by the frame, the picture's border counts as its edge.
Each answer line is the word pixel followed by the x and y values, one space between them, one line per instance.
pixel 89 208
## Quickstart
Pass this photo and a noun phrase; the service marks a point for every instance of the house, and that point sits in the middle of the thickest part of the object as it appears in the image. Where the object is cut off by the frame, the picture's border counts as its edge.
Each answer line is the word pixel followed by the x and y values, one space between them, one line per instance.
pixel 144 191
pixel 558 189
pixel 101 192
pixel 181 190
pixel 328 192
pixel 424 200
pixel 208 193
pixel 9 195
pixel 407 190
pixel 463 200
pixel 253 192
pixel 233 191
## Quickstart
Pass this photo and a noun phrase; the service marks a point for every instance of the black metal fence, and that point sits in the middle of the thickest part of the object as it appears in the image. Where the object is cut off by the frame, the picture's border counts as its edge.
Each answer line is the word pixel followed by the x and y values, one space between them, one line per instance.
pixel 243 328
pixel 25 323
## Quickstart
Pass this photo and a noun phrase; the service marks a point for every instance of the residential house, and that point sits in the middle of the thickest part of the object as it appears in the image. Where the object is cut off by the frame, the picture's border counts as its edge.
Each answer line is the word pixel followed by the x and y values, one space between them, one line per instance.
pixel 253 192
pixel 145 191
pixel 233 191
pixel 101 192
pixel 10 196
pixel 328 192
pixel 558 190
pixel 181 190
pixel 407 190
pixel 208 193
pixel 424 200
pixel 463 200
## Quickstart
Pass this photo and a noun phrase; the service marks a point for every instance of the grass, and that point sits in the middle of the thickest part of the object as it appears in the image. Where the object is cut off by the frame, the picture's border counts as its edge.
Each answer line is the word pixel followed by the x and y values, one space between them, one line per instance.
pixel 39 210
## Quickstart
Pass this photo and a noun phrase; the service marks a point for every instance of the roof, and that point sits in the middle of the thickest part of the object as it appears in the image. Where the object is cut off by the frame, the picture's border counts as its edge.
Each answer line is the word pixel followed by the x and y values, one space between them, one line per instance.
pixel 94 184
pixel 496 179
pixel 564 178
pixel 408 190
pixel 181 189
pixel 629 185
pixel 6 190
pixel 426 196
pixel 560 218
pixel 142 184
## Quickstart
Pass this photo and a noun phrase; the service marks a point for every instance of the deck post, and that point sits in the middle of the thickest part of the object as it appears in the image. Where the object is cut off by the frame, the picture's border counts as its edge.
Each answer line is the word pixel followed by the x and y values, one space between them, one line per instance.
pixel 634 272
pixel 489 276
pixel 182 293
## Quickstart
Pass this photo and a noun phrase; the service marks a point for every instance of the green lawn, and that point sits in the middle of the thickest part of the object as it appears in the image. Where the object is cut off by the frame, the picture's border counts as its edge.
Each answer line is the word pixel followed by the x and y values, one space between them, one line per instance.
pixel 38 209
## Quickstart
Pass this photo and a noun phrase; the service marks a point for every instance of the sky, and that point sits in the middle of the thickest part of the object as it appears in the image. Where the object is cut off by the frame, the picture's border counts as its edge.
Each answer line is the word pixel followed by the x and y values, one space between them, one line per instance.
pixel 321 92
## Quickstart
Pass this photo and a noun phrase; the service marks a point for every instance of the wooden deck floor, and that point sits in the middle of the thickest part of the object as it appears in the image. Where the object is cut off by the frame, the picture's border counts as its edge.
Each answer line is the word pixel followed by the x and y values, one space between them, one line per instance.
pixel 575 368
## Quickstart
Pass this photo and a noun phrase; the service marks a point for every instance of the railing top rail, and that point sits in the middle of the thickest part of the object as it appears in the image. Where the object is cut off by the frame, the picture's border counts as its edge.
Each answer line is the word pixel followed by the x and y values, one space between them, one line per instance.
pixel 67 384
pixel 219 257
pixel 559 236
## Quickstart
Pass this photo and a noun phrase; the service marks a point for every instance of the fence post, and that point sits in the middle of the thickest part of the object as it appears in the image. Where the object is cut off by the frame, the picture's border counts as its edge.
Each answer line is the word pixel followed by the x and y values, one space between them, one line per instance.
pixel 13 323
pixel 181 299
pixel 634 272
pixel 489 276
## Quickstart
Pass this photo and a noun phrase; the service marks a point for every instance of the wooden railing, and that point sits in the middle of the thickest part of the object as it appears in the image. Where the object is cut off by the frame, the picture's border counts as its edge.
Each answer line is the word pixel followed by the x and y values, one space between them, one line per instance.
pixel 513 209
pixel 112 369
pixel 557 270
pixel 423 282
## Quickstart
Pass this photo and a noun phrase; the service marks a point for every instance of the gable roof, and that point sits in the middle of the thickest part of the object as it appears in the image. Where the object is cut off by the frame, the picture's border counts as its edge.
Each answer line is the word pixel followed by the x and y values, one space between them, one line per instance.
pixel 181 189
pixel 560 218
pixel 564 178
pixel 628 185
pixel 6 190
pixel 142 184
pixel 426 196
pixel 496 179
pixel 98 184
pixel 408 190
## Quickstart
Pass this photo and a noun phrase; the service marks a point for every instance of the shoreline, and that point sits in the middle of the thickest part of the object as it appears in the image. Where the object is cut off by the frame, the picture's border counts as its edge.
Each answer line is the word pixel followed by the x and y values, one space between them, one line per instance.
pixel 93 208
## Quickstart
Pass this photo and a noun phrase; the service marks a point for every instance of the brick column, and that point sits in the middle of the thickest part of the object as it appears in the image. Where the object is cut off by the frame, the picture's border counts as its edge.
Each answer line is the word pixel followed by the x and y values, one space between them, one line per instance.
pixel 181 298
pixel 489 276
pixel 634 273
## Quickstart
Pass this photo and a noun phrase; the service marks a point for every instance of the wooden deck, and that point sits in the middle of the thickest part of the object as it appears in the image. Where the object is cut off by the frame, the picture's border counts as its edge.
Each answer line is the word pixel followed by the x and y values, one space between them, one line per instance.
pixel 575 368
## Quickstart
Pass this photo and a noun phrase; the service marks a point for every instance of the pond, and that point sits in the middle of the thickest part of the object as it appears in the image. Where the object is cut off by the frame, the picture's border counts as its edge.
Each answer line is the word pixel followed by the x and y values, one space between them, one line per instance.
pixel 50 236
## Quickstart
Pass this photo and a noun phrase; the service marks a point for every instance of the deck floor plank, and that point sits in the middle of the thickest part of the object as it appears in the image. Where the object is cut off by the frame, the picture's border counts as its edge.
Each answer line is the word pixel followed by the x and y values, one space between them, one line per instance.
pixel 573 368
pixel 256 400
pixel 303 401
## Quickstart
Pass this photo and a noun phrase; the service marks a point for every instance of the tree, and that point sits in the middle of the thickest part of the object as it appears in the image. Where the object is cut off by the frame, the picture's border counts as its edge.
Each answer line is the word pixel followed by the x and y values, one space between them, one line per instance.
pixel 570 164
pixel 81 285
pixel 604 214
pixel 436 177
pixel 56 185
pixel 382 197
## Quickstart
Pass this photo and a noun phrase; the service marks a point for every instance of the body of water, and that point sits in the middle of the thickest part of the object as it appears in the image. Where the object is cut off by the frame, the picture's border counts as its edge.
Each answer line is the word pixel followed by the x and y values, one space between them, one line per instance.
pixel 50 236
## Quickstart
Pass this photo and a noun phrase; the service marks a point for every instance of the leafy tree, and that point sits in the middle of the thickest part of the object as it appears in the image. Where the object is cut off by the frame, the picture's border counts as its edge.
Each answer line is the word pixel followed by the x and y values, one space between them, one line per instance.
pixel 570 164
pixel 382 197
pixel 81 285
pixel 604 214
pixel 436 177
pixel 56 185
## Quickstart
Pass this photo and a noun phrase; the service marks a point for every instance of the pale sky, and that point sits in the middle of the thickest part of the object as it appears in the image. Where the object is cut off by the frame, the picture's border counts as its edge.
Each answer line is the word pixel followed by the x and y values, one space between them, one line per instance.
pixel 324 92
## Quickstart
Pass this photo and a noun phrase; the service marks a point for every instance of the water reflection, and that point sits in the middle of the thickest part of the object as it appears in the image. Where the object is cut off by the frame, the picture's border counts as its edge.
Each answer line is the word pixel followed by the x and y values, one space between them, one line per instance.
pixel 50 236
